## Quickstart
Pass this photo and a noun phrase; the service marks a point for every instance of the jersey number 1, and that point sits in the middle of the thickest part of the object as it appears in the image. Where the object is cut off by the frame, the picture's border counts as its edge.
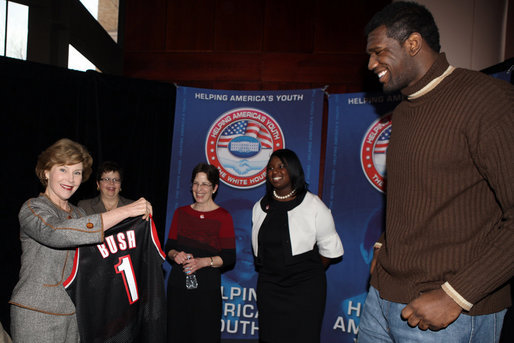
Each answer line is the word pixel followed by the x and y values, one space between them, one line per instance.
pixel 124 267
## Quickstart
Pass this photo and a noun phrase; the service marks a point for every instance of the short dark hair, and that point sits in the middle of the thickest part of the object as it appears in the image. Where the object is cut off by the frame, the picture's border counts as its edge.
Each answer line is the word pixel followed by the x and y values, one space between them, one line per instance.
pixel 294 168
pixel 108 166
pixel 402 18
pixel 213 174
pixel 63 152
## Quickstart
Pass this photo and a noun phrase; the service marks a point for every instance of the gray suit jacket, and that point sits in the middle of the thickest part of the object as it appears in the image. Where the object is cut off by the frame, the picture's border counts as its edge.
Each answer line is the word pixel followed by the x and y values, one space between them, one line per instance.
pixel 49 236
pixel 95 205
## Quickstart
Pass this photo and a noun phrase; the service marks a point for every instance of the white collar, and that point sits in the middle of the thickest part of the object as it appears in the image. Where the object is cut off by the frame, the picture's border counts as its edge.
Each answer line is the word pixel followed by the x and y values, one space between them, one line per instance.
pixel 432 84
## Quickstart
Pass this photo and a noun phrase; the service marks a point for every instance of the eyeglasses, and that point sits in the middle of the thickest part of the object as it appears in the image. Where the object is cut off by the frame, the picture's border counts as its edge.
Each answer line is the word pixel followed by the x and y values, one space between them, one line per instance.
pixel 109 180
pixel 202 185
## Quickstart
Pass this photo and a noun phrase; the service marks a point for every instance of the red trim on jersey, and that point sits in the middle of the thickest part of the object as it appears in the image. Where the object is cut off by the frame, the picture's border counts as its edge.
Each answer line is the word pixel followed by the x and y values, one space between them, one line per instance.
pixel 74 270
pixel 155 239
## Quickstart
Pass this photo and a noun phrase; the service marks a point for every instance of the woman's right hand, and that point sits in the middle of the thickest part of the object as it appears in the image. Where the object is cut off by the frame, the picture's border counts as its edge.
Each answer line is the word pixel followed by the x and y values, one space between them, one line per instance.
pixel 179 257
pixel 139 207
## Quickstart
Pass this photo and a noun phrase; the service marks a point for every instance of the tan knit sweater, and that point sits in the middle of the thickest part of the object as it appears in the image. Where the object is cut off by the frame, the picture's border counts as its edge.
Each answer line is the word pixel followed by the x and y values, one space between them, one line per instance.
pixel 450 192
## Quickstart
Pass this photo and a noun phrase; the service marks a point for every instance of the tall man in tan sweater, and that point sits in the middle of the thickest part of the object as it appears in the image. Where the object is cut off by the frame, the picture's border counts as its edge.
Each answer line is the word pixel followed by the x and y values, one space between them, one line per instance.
pixel 441 269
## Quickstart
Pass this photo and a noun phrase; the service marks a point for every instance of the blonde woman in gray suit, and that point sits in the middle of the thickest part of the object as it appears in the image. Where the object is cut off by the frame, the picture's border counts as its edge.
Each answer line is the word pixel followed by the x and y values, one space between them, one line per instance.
pixel 50 229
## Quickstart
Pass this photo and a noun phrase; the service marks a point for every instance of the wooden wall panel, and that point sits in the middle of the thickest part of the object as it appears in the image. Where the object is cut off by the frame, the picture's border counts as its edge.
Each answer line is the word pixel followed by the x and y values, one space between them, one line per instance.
pixel 315 68
pixel 190 25
pixel 195 66
pixel 239 25
pixel 250 44
pixel 340 28
pixel 289 26
pixel 145 25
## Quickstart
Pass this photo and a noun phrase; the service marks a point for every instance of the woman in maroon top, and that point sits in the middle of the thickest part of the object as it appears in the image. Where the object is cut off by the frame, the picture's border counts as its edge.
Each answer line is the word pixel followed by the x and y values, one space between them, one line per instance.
pixel 201 241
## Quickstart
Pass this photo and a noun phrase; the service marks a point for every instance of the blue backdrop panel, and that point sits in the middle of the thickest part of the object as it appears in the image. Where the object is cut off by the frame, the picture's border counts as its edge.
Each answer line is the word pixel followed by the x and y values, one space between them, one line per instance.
pixel 354 182
pixel 237 131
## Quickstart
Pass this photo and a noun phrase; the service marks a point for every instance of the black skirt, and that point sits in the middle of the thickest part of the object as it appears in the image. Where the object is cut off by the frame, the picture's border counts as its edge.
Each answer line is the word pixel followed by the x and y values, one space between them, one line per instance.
pixel 194 316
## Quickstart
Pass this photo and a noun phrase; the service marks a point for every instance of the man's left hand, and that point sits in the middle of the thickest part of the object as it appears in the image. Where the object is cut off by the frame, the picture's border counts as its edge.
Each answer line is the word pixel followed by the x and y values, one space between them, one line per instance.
pixel 432 310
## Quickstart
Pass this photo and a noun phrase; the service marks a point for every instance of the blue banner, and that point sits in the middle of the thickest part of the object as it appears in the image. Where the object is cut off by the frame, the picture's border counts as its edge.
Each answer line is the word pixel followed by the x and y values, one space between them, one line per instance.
pixel 359 126
pixel 237 131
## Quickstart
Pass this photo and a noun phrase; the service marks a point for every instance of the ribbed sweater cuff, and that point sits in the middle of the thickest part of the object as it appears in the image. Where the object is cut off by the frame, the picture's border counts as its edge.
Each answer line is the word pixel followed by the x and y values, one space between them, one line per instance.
pixel 452 293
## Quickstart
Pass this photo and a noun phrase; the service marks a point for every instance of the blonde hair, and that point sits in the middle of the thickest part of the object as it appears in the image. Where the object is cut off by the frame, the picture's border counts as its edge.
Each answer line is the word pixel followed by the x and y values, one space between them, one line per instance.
pixel 63 152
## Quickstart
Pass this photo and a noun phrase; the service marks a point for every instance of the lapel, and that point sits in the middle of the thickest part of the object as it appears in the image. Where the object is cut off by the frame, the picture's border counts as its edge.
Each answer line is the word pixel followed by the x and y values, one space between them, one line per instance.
pixel 98 205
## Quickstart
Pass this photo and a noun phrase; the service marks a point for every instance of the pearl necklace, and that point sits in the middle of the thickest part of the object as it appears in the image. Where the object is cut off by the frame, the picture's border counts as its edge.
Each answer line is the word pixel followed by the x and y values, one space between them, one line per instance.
pixel 282 197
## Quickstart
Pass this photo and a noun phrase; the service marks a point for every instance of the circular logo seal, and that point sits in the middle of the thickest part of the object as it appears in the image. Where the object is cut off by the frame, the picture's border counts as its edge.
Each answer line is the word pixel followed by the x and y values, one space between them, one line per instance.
pixel 373 151
pixel 240 142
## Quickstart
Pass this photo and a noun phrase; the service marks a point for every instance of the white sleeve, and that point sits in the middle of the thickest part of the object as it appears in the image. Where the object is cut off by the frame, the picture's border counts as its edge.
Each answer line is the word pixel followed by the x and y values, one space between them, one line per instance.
pixel 327 238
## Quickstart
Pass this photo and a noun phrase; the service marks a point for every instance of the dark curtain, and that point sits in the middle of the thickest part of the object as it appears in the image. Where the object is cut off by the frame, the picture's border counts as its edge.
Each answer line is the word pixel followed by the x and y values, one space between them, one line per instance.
pixel 126 120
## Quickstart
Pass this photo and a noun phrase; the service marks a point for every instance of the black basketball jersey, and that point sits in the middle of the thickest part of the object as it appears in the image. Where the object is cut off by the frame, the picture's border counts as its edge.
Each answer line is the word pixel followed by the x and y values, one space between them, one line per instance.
pixel 118 288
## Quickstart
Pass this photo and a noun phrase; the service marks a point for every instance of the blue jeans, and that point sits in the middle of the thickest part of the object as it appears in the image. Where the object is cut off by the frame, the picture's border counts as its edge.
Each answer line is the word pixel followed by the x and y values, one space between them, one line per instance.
pixel 381 321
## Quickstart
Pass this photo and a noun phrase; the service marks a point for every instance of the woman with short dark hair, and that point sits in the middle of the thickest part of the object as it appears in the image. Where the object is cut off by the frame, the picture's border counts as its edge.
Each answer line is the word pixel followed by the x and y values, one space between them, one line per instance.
pixel 109 177
pixel 201 242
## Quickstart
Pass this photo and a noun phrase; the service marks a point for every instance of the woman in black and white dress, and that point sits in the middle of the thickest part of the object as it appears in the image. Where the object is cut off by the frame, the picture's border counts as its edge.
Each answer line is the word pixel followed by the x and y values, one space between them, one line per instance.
pixel 294 239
